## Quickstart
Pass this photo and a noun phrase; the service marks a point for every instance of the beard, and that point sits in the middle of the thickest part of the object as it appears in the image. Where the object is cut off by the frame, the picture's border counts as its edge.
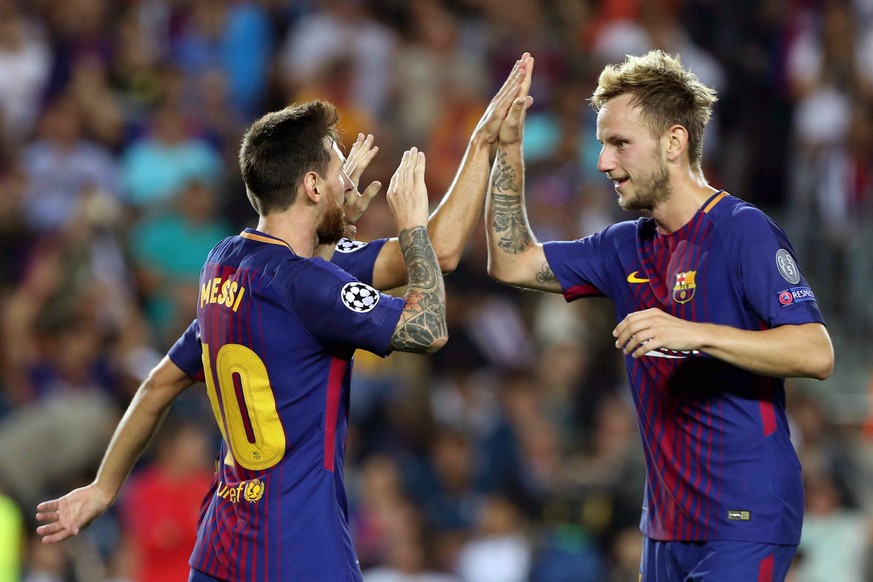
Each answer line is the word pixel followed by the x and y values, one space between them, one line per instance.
pixel 650 191
pixel 332 226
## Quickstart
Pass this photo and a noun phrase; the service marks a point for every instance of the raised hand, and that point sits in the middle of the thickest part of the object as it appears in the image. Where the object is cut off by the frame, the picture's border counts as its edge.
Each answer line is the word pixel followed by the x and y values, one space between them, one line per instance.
pixel 407 193
pixel 361 154
pixel 512 127
pixel 518 80
pixel 67 516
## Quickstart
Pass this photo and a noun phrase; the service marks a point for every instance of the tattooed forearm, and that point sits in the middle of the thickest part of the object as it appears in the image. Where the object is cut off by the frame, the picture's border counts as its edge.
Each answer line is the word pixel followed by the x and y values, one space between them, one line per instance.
pixel 546 276
pixel 508 216
pixel 504 177
pixel 422 325
pixel 510 224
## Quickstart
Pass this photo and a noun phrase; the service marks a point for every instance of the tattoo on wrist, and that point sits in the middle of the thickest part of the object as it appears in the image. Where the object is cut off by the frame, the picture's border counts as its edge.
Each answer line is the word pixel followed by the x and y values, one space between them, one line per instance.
pixel 505 178
pixel 424 317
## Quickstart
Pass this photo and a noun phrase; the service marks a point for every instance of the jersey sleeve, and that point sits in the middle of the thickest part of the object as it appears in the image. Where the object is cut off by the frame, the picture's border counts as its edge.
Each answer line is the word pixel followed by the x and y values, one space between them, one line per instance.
pixel 358 258
pixel 581 266
pixel 338 309
pixel 186 352
pixel 768 273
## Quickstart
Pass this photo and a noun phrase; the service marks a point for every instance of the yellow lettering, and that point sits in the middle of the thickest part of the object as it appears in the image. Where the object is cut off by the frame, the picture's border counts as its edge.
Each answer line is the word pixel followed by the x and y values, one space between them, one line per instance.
pixel 204 292
pixel 221 492
pixel 222 297
pixel 242 291
pixel 214 291
pixel 231 293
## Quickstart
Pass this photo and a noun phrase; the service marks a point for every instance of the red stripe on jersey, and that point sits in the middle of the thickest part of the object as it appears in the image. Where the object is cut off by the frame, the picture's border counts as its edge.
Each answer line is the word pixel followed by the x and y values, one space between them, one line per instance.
pixel 334 390
pixel 765 571
pixel 578 291
pixel 768 414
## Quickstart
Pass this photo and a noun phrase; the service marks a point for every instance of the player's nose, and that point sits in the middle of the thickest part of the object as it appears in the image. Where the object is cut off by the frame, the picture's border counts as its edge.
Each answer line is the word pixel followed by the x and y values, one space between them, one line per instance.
pixel 347 182
pixel 605 162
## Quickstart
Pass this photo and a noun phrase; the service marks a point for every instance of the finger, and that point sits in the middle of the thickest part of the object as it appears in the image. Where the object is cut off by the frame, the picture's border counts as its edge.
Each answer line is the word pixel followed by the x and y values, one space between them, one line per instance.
pixel 371 191
pixel 50 529
pixel 528 75
pixel 47 506
pixel 57 537
pixel 49 516
pixel 419 169
pixel 637 340
pixel 362 163
pixel 411 158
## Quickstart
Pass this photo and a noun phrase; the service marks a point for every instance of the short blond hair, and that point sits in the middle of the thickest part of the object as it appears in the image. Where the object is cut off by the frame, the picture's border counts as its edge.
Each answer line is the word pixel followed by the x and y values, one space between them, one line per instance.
pixel 666 93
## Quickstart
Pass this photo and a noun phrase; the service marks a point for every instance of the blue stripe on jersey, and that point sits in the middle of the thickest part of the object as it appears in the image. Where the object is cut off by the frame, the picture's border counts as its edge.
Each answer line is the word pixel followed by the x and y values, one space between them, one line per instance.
pixel 715 437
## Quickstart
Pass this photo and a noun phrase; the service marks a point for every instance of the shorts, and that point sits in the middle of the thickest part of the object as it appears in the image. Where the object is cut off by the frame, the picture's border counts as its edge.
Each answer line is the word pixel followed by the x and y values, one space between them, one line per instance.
pixel 714 561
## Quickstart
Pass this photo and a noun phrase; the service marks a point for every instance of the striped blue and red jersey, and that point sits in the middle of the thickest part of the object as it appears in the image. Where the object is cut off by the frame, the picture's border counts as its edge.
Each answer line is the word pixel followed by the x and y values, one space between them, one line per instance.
pixel 720 465
pixel 274 338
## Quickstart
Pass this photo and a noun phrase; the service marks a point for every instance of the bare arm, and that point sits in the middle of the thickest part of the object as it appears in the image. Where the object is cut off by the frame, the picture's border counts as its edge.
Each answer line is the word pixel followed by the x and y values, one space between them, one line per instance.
pixel 453 221
pixel 789 351
pixel 514 255
pixel 422 324
pixel 66 516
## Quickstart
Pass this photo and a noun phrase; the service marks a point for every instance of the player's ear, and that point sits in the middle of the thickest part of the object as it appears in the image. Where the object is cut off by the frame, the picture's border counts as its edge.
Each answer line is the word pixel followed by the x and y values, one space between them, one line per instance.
pixel 311 186
pixel 676 139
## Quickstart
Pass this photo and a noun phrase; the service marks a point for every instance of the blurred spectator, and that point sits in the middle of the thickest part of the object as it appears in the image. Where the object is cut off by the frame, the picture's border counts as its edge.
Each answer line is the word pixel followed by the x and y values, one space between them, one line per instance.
pixel 408 551
pixel 25 65
pixel 836 538
pixel 62 165
pixel 167 278
pixel 233 38
pixel 500 550
pixel 156 167
pixel 339 30
pixel 160 503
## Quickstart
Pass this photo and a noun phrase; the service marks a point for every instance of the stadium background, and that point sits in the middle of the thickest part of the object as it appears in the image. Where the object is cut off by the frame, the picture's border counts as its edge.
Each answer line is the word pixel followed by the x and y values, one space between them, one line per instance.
pixel 510 455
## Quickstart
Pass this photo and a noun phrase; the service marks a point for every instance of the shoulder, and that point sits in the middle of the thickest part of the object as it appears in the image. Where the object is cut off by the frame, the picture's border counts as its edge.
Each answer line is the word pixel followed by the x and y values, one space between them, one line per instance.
pixel 737 219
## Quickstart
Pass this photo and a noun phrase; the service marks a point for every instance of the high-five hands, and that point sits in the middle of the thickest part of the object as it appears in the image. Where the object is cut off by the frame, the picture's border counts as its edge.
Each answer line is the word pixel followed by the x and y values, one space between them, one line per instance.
pixel 517 84
pixel 407 193
pixel 512 127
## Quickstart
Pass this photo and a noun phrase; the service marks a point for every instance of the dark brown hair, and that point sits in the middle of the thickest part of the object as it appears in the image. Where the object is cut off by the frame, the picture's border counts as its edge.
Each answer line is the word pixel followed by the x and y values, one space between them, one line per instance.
pixel 281 147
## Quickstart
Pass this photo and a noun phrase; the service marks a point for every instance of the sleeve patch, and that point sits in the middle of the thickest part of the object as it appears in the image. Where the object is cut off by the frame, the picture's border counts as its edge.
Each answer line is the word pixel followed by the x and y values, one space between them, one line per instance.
pixel 359 297
pixel 787 267
pixel 795 295
pixel 346 245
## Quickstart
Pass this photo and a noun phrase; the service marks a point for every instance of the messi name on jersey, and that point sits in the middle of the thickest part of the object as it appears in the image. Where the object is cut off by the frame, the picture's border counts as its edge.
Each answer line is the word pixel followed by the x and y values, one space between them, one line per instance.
pixel 225 292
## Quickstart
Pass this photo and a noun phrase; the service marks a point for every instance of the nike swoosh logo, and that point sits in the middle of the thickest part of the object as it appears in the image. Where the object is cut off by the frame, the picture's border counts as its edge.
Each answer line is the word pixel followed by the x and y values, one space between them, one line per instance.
pixel 632 278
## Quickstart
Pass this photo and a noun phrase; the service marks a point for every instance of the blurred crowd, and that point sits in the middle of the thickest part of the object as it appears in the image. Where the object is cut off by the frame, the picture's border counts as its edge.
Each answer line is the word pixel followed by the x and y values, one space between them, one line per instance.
pixel 512 454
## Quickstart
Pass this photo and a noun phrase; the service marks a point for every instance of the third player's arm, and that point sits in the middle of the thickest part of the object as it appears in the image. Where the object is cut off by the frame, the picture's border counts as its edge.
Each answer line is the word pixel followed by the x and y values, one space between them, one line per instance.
pixel 456 215
pixel 514 255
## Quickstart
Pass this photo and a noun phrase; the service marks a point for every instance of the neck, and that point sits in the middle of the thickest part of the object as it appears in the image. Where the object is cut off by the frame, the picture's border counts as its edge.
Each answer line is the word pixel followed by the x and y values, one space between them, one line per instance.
pixel 688 194
pixel 292 227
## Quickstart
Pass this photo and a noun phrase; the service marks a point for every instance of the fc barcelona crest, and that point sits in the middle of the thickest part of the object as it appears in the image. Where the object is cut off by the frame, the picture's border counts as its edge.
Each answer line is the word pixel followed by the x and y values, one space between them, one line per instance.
pixel 683 290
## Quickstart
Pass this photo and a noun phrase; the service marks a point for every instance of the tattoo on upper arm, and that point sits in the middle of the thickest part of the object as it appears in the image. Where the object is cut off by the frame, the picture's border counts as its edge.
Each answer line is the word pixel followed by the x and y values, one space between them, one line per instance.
pixel 508 215
pixel 423 321
pixel 546 276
